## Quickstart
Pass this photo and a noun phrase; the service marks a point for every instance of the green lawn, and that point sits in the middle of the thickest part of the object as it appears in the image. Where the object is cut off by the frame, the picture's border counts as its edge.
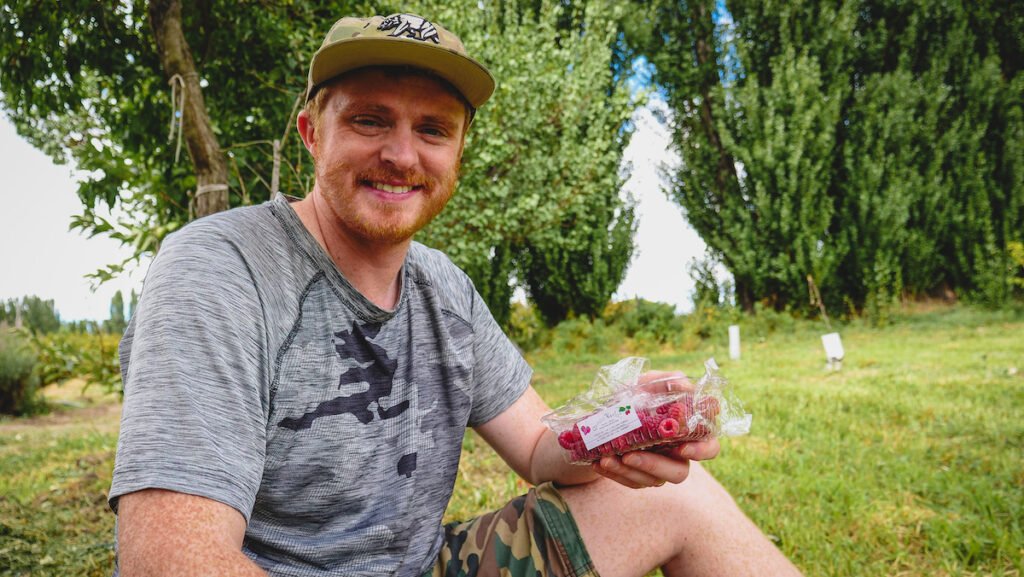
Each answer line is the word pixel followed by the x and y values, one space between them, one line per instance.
pixel 908 461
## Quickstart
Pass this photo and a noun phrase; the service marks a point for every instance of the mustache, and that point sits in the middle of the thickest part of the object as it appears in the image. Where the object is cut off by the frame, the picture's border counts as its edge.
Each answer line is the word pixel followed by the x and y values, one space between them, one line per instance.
pixel 386 175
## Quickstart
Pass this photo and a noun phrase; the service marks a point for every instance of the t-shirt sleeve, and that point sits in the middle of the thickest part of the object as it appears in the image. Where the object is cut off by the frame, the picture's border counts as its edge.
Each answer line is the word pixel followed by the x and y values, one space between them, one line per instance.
pixel 194 371
pixel 501 374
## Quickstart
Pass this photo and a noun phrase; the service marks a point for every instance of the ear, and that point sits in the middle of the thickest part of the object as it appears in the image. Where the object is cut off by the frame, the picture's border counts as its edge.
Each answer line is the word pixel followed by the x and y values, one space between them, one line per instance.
pixel 304 124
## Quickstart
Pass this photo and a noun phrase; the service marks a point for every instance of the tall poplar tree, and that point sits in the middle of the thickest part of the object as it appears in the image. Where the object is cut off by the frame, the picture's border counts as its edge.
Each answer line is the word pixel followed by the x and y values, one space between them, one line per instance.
pixel 872 144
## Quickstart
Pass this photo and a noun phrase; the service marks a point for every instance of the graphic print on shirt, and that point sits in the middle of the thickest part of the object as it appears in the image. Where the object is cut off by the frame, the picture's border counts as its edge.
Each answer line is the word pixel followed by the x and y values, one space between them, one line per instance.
pixel 373 367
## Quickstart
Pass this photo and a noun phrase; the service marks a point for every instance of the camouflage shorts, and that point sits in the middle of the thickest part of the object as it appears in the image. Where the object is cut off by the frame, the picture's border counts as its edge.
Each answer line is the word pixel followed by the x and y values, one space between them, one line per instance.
pixel 533 535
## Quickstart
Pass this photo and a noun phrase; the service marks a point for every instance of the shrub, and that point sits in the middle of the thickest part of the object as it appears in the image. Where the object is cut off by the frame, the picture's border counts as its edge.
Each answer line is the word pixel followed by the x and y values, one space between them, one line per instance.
pixel 19 383
pixel 644 320
pixel 92 357
pixel 582 336
pixel 1016 252
pixel 525 327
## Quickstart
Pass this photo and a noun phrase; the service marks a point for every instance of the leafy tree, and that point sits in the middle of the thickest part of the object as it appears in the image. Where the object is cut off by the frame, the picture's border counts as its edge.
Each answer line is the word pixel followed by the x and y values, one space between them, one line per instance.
pixel 539 200
pixel 89 82
pixel 872 144
pixel 116 324
pixel 133 304
pixel 33 313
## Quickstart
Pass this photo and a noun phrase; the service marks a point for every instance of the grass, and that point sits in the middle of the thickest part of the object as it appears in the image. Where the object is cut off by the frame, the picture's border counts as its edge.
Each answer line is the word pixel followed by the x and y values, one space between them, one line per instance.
pixel 908 461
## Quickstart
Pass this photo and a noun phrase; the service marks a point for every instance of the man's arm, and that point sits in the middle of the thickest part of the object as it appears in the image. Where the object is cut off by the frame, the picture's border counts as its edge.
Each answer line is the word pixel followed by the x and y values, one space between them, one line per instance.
pixel 532 450
pixel 164 533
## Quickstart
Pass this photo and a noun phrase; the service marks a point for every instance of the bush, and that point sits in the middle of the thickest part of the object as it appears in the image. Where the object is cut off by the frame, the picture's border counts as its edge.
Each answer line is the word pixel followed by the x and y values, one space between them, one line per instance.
pixel 92 357
pixel 19 382
pixel 525 327
pixel 582 336
pixel 644 320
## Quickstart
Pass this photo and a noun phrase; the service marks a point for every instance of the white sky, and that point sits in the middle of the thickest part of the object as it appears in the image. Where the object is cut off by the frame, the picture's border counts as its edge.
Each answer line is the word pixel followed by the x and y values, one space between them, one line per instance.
pixel 40 256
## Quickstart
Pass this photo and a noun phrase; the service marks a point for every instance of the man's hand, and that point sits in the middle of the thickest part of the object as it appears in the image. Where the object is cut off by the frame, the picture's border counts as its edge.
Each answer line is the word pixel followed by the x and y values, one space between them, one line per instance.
pixel 655 467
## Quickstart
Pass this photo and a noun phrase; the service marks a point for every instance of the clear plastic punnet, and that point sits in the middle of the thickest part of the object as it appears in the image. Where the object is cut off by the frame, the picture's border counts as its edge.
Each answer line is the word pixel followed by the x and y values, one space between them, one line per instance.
pixel 625 410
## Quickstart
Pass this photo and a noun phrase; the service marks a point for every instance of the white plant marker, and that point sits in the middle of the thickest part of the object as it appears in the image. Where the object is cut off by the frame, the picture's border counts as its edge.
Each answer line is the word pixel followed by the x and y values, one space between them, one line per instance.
pixel 833 351
pixel 734 342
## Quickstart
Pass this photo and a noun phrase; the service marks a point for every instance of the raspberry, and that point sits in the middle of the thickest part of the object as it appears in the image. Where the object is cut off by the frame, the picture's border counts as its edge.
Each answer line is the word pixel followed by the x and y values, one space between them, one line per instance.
pixel 620 444
pixel 668 428
pixel 566 440
pixel 649 422
pixel 675 410
pixel 662 409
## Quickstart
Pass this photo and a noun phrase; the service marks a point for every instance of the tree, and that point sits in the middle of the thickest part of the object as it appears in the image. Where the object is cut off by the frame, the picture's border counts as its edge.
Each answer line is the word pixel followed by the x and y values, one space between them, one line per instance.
pixel 874 145
pixel 88 83
pixel 133 304
pixel 33 313
pixel 539 198
pixel 116 324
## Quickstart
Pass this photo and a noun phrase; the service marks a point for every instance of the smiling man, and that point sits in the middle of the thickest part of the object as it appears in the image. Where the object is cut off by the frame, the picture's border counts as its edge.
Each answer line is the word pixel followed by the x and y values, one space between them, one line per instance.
pixel 299 375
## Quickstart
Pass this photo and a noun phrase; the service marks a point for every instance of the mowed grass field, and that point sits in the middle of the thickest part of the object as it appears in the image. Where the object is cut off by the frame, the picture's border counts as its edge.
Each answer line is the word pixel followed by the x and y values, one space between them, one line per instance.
pixel 908 461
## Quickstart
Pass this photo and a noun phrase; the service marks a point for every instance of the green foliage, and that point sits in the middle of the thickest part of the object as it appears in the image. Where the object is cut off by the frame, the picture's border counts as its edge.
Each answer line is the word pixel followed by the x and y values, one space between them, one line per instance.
pixel 538 200
pixel 644 320
pixel 91 357
pixel 82 81
pixel 116 324
pixel 874 145
pixel 525 327
pixel 33 313
pixel 540 178
pixel 19 383
pixel 586 338
pixel 1016 250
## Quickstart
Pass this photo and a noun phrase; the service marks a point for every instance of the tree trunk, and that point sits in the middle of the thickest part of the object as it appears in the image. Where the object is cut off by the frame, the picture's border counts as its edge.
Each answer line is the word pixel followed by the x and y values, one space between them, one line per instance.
pixel 176 58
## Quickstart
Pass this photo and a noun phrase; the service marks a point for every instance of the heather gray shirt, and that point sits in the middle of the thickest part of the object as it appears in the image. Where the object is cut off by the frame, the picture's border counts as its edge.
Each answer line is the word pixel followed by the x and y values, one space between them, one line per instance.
pixel 256 375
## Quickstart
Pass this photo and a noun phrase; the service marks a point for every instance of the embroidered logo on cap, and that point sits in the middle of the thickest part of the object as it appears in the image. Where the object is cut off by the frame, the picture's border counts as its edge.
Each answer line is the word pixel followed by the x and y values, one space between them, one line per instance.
pixel 411 26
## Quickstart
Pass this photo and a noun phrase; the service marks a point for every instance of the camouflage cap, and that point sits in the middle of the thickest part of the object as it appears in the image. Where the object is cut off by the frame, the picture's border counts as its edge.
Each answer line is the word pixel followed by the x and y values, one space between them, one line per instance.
pixel 399 40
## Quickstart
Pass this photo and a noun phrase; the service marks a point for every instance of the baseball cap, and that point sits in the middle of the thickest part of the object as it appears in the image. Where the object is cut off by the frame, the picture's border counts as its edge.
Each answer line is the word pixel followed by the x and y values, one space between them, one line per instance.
pixel 399 40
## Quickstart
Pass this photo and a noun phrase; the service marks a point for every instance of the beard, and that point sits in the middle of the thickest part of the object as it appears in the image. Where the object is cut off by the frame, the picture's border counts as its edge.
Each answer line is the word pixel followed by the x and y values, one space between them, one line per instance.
pixel 379 221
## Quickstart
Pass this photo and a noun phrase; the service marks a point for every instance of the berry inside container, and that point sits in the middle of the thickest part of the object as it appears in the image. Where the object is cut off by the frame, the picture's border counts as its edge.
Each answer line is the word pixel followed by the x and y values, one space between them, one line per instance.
pixel 623 411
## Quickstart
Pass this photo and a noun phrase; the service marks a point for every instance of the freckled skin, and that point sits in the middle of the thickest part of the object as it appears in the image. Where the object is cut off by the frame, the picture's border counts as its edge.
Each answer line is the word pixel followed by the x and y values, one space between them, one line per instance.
pixel 155 524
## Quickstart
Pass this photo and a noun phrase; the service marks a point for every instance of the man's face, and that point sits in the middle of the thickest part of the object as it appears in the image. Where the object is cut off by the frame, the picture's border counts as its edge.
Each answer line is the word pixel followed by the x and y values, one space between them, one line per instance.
pixel 387 150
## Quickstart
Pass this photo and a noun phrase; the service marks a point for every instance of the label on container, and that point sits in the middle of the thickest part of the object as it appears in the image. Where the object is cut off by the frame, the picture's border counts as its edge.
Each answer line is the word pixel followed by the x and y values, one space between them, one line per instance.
pixel 605 425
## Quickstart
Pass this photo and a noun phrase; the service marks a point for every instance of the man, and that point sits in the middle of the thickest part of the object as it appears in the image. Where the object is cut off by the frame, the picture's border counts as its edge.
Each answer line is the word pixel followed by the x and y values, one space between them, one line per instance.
pixel 299 375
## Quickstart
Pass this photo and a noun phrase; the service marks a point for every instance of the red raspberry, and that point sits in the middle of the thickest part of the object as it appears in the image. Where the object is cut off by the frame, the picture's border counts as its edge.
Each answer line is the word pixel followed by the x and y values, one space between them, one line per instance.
pixel 649 422
pixel 662 409
pixel 675 410
pixel 620 444
pixel 566 440
pixel 668 428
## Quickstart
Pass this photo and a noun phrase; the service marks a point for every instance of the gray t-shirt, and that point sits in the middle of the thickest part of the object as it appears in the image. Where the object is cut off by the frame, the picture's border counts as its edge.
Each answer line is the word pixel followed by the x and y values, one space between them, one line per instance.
pixel 256 375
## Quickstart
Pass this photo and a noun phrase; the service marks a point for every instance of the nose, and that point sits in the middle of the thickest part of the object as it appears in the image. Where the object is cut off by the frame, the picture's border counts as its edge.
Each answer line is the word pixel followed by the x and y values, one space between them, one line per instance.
pixel 399 149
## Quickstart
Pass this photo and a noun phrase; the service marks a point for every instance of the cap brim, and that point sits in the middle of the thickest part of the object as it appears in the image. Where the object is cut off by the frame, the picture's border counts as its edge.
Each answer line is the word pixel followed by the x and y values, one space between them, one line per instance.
pixel 467 75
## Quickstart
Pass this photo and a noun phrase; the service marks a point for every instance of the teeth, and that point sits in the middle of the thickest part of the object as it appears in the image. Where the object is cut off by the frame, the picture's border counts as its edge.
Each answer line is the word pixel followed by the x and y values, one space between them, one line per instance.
pixel 392 189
